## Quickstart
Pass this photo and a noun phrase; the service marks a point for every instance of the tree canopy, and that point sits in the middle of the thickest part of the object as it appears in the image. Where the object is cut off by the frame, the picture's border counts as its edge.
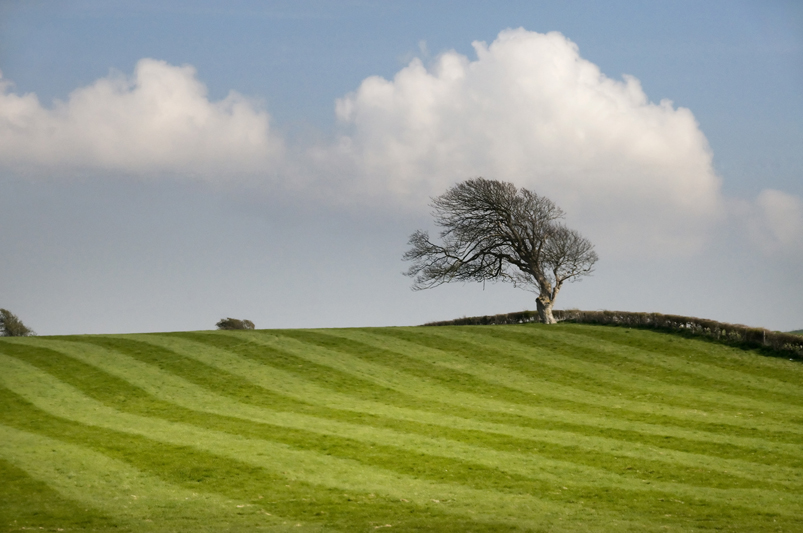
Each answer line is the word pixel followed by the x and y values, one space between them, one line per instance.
pixel 11 326
pixel 495 231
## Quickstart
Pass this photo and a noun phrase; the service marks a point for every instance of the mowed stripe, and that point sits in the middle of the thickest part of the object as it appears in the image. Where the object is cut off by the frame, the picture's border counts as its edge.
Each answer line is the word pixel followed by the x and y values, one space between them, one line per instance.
pixel 305 466
pixel 174 390
pixel 58 399
pixel 264 375
pixel 532 375
pixel 712 366
pixel 516 351
pixel 711 353
pixel 281 493
pixel 531 466
pixel 133 498
pixel 605 444
pixel 461 385
pixel 439 424
pixel 466 461
pixel 483 415
pixel 377 339
pixel 28 503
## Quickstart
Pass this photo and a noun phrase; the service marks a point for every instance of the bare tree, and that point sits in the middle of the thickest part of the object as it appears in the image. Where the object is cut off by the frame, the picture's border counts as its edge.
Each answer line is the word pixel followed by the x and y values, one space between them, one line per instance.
pixel 11 326
pixel 494 231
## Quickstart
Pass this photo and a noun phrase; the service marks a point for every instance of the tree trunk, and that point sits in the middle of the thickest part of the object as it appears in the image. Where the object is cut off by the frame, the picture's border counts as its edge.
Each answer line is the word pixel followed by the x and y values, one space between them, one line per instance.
pixel 544 304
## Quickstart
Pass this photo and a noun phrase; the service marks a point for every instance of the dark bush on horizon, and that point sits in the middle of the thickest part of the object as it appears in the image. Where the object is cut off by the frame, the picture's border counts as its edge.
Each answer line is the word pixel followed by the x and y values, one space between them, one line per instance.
pixel 234 323
pixel 735 334
pixel 11 326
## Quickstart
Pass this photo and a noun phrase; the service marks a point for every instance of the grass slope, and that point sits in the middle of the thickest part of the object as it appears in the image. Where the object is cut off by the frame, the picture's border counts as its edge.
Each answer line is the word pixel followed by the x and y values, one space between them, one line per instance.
pixel 473 428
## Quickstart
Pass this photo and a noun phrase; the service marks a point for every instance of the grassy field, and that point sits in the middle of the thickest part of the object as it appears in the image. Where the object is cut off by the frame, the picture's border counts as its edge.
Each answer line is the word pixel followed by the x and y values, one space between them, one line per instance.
pixel 473 428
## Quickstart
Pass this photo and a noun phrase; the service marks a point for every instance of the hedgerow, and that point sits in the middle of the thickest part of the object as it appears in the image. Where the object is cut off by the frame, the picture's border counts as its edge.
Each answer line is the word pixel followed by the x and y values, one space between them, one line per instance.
pixel 734 334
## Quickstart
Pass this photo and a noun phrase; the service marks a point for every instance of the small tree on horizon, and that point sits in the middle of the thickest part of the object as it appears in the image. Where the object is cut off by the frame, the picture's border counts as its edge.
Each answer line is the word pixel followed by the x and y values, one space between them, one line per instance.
pixel 234 323
pixel 493 231
pixel 11 326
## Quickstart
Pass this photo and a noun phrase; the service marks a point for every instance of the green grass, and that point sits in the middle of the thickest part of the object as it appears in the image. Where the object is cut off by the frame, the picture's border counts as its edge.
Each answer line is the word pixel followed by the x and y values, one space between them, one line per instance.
pixel 464 428
pixel 797 332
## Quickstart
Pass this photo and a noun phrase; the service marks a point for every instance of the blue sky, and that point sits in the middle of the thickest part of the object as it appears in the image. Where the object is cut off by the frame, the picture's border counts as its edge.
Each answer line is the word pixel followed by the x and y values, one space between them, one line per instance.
pixel 272 217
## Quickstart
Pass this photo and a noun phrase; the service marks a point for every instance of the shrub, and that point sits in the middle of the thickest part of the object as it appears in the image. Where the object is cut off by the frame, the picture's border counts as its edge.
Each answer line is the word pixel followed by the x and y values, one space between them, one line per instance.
pixel 11 326
pixel 234 323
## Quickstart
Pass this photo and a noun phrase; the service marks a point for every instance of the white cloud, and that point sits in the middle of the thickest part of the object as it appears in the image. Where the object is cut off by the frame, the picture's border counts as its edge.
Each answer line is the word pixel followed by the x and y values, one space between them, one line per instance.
pixel 159 120
pixel 636 176
pixel 775 222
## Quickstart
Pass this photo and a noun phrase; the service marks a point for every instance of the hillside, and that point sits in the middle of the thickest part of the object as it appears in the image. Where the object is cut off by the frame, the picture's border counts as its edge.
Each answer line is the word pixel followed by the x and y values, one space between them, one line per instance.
pixel 463 428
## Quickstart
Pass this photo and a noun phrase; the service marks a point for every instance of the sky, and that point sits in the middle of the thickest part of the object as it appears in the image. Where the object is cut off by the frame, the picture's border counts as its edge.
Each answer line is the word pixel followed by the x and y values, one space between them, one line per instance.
pixel 166 164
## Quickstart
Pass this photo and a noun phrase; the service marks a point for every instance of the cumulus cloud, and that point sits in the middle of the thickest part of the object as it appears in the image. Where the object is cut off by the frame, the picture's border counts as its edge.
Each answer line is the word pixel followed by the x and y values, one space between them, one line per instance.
pixel 158 120
pixel 635 175
pixel 775 222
